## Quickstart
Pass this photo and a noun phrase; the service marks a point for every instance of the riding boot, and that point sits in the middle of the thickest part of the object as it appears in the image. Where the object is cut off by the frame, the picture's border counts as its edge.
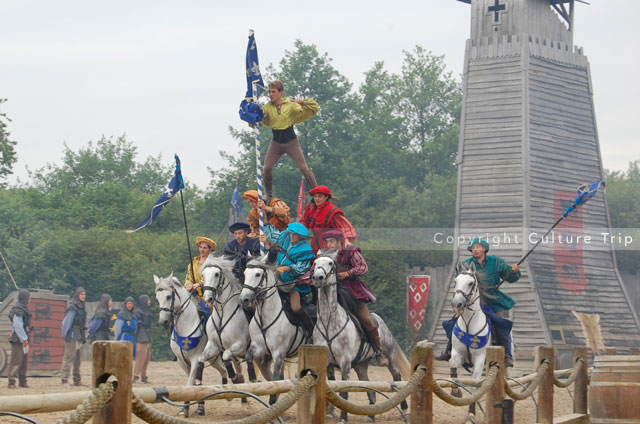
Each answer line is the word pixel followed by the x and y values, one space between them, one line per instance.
pixel 306 322
pixel 506 343
pixel 445 355
pixel 374 338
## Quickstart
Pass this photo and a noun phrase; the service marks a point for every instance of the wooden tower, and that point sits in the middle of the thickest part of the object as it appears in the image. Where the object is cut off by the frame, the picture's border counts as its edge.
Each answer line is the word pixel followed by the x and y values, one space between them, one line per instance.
pixel 528 139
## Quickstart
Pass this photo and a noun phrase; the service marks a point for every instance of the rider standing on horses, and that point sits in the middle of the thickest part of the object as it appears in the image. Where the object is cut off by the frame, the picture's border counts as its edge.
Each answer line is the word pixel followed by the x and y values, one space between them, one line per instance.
pixel 240 248
pixel 350 267
pixel 321 214
pixel 275 213
pixel 490 271
pixel 294 259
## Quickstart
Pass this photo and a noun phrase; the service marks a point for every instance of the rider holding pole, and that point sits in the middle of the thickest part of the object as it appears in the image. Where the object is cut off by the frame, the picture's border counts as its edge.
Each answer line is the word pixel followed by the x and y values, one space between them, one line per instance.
pixel 491 272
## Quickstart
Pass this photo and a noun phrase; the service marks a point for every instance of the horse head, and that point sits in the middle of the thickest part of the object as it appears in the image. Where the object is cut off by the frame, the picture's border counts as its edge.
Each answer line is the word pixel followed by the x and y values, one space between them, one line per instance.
pixel 168 298
pixel 324 267
pixel 218 278
pixel 466 285
pixel 255 280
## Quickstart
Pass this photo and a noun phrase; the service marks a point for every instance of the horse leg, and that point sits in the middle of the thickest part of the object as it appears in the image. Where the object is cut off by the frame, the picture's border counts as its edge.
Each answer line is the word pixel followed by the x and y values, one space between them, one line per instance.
pixel 198 382
pixel 454 363
pixel 395 374
pixel 278 371
pixel 239 377
pixel 345 366
pixel 362 370
pixel 331 376
pixel 250 367
pixel 478 358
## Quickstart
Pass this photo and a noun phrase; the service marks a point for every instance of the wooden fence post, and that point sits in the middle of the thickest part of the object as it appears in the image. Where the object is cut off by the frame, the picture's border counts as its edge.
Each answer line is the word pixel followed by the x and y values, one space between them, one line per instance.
pixel 114 359
pixel 421 402
pixel 495 396
pixel 313 358
pixel 545 389
pixel 581 390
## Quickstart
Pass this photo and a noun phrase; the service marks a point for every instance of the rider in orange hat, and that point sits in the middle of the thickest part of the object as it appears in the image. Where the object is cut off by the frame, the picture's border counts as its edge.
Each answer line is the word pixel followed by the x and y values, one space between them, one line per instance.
pixel 276 212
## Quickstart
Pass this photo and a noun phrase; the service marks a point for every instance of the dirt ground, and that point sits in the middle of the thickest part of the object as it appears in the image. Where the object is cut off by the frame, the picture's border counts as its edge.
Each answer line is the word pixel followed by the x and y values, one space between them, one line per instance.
pixel 168 373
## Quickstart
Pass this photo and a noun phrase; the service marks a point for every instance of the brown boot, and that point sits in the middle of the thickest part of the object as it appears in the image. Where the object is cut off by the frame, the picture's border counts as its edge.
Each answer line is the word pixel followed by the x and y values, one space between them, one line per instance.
pixel 23 384
pixel 374 338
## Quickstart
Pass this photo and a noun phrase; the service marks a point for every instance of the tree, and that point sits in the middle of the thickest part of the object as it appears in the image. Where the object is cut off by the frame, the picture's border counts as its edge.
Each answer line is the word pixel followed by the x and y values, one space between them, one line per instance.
pixel 7 149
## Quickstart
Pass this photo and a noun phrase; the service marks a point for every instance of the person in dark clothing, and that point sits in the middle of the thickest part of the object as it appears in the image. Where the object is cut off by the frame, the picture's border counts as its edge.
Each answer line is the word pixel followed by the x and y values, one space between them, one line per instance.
pixel 126 325
pixel 240 248
pixel 73 328
pixel 99 325
pixel 19 338
pixel 144 318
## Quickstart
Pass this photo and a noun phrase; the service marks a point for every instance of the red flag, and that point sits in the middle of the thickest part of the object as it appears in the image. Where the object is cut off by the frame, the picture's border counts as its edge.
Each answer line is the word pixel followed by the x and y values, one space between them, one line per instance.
pixel 301 199
pixel 417 294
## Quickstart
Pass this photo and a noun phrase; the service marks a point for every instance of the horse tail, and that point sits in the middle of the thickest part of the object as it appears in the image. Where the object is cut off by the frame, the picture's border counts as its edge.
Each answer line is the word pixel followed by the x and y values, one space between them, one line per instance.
pixel 402 362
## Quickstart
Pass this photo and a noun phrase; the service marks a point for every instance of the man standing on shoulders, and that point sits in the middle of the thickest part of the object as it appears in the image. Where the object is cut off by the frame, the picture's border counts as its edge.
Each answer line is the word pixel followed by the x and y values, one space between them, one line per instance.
pixel 240 247
pixel 73 327
pixel 281 114
pixel 19 338
pixel 491 271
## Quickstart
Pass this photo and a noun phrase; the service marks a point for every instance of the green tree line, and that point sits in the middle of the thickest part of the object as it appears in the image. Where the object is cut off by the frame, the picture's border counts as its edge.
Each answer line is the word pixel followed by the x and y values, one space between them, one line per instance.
pixel 386 148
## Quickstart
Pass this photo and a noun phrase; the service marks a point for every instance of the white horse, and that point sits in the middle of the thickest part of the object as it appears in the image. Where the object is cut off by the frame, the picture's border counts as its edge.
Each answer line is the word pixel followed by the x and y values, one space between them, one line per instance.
pixel 471 332
pixel 227 327
pixel 273 337
pixel 336 328
pixel 178 311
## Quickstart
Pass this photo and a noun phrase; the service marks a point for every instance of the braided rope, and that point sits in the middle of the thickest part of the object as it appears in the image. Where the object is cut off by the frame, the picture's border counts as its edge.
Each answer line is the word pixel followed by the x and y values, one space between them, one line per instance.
pixel 98 398
pixel 572 377
pixel 381 407
pixel 464 401
pixel 153 416
pixel 542 369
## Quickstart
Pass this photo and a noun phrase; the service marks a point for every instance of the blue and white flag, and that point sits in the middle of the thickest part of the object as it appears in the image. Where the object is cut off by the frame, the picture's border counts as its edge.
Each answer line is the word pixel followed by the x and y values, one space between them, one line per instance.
pixel 236 201
pixel 585 192
pixel 253 69
pixel 176 184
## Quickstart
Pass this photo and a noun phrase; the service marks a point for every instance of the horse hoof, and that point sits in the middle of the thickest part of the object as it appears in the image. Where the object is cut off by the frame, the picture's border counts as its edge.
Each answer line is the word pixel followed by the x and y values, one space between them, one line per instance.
pixel 471 419
pixel 371 418
pixel 199 411
pixel 456 392
pixel 239 379
pixel 183 413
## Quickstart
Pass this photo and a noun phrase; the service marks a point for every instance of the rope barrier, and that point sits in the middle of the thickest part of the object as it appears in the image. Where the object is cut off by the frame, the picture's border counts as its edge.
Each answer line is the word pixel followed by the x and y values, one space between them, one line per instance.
pixel 532 386
pixel 99 397
pixel 378 408
pixel 153 416
pixel 464 401
pixel 572 377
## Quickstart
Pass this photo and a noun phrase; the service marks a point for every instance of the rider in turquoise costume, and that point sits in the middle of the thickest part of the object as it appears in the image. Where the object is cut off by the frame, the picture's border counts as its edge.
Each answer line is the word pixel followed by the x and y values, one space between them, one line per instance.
pixel 295 257
pixel 491 271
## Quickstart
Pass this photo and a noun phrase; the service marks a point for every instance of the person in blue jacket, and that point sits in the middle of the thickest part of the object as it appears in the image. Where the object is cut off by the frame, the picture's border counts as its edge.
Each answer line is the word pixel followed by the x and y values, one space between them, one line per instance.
pixel 295 257
pixel 126 324
pixel 99 325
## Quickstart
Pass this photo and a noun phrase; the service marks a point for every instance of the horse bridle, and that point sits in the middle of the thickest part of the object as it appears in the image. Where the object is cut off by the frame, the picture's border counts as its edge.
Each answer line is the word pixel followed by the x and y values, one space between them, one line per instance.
pixel 467 296
pixel 181 309
pixel 258 290
pixel 326 274
pixel 217 289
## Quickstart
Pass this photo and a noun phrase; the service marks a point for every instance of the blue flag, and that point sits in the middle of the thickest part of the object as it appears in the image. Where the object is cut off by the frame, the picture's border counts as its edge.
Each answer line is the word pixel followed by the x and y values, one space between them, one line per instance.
pixel 236 201
pixel 253 68
pixel 176 184
pixel 585 192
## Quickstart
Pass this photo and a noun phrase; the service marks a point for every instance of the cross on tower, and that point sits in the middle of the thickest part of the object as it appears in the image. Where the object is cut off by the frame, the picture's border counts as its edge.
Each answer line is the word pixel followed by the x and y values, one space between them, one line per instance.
pixel 495 9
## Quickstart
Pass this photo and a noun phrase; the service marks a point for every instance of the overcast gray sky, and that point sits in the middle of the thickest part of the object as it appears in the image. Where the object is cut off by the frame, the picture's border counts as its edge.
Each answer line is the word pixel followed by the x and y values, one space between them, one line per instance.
pixel 171 74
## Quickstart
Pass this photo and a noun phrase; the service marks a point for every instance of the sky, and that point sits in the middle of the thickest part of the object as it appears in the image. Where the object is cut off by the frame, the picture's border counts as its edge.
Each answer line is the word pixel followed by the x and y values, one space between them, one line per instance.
pixel 170 74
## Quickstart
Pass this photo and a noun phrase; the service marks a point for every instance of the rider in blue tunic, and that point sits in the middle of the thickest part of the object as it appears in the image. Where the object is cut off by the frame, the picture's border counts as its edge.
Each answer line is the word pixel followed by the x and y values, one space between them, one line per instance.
pixel 490 270
pixel 295 257
pixel 126 325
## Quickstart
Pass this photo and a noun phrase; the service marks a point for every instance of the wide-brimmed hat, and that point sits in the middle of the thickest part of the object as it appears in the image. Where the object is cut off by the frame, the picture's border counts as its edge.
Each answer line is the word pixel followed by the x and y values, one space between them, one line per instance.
pixel 211 243
pixel 239 226
pixel 336 234
pixel 298 228
pixel 320 189
pixel 251 195
pixel 480 241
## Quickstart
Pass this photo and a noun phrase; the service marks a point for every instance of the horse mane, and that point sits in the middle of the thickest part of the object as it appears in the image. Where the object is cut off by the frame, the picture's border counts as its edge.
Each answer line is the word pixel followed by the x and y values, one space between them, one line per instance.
pixel 345 298
pixel 225 263
pixel 261 262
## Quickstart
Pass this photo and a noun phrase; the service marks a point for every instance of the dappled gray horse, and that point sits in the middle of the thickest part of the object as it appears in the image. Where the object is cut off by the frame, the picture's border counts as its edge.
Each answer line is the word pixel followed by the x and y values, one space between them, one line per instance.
pixel 336 328
pixel 178 311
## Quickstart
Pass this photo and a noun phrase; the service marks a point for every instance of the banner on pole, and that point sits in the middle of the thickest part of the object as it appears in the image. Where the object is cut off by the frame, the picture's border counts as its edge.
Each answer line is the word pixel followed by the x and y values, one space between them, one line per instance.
pixel 568 257
pixel 417 296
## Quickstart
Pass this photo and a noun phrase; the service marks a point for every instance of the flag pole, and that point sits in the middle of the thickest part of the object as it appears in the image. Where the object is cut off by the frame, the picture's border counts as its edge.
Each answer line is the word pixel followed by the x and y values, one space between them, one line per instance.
pixel 9 271
pixel 256 132
pixel 184 216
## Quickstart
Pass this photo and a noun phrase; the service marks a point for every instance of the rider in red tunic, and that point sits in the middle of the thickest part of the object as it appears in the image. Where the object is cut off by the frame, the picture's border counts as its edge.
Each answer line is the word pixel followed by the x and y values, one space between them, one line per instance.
pixel 321 215
pixel 352 266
